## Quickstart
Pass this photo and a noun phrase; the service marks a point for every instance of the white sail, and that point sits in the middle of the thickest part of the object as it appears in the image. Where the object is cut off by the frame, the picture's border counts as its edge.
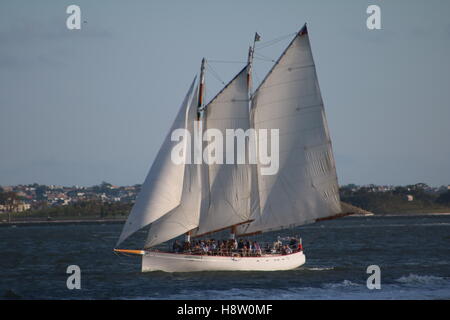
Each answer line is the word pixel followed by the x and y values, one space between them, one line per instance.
pixel 305 187
pixel 233 197
pixel 185 216
pixel 162 189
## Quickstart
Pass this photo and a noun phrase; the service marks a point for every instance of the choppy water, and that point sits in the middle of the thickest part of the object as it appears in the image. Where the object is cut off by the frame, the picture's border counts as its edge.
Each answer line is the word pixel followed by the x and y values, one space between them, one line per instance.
pixel 412 252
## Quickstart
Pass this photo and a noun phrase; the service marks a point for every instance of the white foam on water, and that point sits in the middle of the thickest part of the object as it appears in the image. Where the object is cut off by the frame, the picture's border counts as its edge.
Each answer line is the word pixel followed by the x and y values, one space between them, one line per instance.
pixel 414 279
pixel 408 287
pixel 343 284
pixel 317 268
pixel 387 225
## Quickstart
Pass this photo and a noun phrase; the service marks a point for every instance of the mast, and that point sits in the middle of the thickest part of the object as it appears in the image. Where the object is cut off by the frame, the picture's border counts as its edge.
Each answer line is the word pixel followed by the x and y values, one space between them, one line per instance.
pixel 249 69
pixel 231 201
pixel 201 89
pixel 233 228
pixel 251 51
pixel 200 108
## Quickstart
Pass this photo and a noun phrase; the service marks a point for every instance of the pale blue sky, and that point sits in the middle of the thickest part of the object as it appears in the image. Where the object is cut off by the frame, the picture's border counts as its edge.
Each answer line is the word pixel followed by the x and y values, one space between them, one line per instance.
pixel 80 107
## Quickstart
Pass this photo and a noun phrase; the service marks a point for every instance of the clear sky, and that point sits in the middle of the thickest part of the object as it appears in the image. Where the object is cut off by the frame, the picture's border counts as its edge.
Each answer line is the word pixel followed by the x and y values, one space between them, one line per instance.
pixel 81 106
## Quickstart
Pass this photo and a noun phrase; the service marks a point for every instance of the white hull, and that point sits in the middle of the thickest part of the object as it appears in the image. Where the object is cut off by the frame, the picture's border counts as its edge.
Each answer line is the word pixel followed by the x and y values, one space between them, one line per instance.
pixel 172 262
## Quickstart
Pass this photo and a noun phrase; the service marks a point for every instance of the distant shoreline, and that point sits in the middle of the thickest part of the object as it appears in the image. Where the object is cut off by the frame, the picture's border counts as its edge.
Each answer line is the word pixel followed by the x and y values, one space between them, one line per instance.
pixel 414 214
pixel 357 215
pixel 122 220
pixel 61 221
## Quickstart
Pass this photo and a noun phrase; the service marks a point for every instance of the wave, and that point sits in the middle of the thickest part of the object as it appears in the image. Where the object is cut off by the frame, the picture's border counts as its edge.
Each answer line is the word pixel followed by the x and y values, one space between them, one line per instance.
pixel 392 225
pixel 414 279
pixel 434 224
pixel 343 284
pixel 318 268
pixel 410 287
pixel 304 293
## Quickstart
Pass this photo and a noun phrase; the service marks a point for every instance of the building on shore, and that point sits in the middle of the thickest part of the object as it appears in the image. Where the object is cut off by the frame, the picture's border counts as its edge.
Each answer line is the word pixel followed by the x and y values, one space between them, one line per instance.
pixel 16 206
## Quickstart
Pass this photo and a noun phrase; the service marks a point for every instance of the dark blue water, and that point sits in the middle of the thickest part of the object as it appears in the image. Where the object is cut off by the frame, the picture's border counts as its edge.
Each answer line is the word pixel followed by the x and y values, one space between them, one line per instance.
pixel 412 252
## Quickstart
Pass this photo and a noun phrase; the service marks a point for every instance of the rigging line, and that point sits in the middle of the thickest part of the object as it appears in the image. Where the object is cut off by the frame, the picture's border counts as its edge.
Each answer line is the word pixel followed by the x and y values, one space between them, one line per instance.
pixel 226 61
pixel 274 41
pixel 265 57
pixel 208 93
pixel 256 76
pixel 214 73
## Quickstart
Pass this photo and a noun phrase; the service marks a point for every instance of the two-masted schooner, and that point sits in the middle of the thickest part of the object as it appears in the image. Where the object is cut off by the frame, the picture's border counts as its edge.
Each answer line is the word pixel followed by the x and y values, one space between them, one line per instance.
pixel 198 199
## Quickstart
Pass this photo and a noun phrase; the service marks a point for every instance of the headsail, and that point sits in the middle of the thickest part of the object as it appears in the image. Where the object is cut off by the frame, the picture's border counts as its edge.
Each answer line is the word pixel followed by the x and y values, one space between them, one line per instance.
pixel 305 187
pixel 162 189
pixel 233 192
pixel 186 215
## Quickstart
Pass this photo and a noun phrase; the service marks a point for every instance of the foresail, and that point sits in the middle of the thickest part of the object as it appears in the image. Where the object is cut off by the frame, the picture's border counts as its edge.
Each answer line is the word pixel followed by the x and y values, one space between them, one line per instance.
pixel 305 187
pixel 233 192
pixel 162 189
pixel 185 216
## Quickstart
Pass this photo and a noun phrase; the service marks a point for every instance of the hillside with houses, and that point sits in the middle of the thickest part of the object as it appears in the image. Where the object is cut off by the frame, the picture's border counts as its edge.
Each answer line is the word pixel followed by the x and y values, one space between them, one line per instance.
pixel 35 200
pixel 108 201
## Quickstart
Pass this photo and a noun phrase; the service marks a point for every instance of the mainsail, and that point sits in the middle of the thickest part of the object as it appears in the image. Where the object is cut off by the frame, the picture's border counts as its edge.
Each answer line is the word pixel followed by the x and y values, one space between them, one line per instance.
pixel 163 187
pixel 233 191
pixel 305 187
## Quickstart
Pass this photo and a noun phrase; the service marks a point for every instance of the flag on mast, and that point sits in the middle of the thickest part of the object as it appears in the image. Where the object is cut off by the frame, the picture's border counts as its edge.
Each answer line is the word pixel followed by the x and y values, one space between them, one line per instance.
pixel 257 37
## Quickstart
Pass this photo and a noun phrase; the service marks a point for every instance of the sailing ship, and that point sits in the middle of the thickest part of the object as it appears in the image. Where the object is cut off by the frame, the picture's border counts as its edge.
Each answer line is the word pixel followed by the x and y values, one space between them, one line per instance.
pixel 198 199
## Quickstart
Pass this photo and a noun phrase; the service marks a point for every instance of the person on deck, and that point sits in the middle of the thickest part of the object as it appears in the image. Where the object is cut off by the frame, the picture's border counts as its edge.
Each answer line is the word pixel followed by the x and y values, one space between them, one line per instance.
pixel 223 248
pixel 286 250
pixel 240 246
pixel 205 248
pixel 213 247
pixel 197 249
pixel 250 249
pixel 277 245
pixel 244 251
pixel 257 249
pixel 293 243
pixel 176 246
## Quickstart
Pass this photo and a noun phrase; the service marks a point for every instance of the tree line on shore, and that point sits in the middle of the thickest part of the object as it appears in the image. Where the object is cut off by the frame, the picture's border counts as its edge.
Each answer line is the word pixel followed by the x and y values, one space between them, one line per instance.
pixel 81 209
pixel 418 198
pixel 401 199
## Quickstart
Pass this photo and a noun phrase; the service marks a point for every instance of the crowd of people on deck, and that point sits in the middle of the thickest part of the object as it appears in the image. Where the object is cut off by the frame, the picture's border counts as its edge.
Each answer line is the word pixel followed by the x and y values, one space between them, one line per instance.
pixel 232 247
